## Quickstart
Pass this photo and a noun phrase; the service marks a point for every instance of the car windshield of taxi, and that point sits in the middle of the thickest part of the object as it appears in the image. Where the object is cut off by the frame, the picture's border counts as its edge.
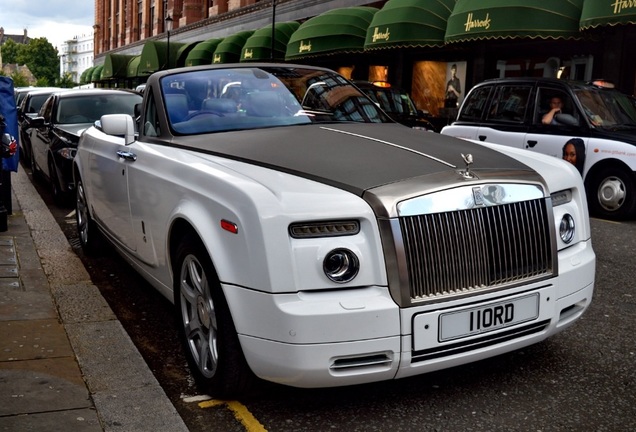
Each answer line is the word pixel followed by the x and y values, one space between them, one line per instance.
pixel 219 100
pixel 607 108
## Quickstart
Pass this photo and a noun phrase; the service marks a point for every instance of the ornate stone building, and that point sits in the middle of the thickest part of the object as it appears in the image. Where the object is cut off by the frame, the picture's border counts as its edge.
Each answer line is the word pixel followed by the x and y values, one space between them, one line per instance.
pixel 119 23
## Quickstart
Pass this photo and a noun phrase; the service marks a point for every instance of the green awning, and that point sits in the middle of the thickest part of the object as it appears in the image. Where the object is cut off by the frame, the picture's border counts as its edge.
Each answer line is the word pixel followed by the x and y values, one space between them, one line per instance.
pixel 608 12
pixel 229 50
pixel 203 52
pixel 342 30
pixel 184 51
pixel 132 70
pixel 153 56
pixel 96 75
pixel 409 23
pixel 259 46
pixel 86 75
pixel 500 19
pixel 116 66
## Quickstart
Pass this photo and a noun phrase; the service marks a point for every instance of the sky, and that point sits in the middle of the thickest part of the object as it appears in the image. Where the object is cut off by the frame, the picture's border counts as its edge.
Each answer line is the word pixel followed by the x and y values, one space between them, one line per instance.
pixel 55 20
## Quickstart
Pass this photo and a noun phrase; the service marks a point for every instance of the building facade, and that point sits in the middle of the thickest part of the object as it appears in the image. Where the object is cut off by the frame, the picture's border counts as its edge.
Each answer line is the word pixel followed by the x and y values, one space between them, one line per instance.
pixel 119 23
pixel 421 47
pixel 76 56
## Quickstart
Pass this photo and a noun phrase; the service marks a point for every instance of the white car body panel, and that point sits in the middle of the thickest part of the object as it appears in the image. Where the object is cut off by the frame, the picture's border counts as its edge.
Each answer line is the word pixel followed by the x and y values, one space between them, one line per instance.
pixel 296 326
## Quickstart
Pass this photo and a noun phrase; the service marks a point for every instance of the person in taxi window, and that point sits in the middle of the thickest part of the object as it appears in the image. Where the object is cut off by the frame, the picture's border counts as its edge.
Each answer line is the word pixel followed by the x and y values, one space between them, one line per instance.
pixel 574 152
pixel 556 105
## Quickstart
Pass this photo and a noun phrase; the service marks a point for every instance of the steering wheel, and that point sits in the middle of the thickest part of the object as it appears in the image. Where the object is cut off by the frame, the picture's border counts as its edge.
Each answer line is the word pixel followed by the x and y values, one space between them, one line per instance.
pixel 202 112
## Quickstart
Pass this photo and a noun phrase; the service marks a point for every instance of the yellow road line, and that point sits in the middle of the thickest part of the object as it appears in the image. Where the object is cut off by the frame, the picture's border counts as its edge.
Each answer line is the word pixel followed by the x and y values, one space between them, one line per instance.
pixel 241 413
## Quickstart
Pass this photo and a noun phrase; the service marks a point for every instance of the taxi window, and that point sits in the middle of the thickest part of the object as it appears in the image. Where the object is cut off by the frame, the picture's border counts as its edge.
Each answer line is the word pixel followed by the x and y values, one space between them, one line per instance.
pixel 475 104
pixel 509 104
pixel 545 96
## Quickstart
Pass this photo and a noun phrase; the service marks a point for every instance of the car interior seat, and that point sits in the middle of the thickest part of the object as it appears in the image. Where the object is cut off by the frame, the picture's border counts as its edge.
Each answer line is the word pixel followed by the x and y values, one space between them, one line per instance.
pixel 177 106
pixel 264 104
pixel 222 106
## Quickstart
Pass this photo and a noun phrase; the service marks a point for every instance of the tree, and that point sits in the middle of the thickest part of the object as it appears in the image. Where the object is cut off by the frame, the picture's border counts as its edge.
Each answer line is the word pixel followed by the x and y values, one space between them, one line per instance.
pixel 66 81
pixel 41 58
pixel 19 80
pixel 10 51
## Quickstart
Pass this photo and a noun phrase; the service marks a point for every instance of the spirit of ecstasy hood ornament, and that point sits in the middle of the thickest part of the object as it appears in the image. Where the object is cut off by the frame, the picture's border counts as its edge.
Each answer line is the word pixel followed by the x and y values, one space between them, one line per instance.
pixel 468 159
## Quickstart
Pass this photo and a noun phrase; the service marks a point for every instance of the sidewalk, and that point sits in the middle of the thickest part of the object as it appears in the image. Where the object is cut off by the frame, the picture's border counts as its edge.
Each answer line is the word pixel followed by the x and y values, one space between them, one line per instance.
pixel 66 363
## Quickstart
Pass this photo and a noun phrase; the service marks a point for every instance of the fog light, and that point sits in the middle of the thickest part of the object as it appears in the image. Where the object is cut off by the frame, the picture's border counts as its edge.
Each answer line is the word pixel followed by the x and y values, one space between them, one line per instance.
pixel 566 228
pixel 341 265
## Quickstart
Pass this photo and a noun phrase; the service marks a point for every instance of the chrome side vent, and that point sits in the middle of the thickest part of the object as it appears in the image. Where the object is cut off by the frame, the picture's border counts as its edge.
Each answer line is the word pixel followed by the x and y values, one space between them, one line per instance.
pixel 382 360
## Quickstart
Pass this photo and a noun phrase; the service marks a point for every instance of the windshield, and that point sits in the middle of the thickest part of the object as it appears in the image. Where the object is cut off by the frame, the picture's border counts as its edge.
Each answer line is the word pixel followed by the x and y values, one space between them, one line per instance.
pixel 215 100
pixel 607 108
pixel 88 108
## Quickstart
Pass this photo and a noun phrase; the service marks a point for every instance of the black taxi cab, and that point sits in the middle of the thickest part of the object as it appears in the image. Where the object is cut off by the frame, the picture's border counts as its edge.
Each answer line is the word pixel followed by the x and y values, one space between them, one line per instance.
pixel 592 125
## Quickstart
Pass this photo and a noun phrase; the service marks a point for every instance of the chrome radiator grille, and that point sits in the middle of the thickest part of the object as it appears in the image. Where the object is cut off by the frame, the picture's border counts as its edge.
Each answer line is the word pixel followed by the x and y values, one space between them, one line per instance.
pixel 481 248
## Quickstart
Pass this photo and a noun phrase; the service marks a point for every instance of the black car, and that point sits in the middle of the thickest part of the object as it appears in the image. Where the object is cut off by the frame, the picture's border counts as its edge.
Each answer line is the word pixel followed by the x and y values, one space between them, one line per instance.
pixel 55 131
pixel 31 103
pixel 396 103
pixel 590 124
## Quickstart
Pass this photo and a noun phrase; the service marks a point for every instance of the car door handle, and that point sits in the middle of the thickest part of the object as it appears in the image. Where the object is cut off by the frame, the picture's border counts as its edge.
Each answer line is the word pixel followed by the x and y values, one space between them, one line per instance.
pixel 127 155
pixel 482 137
pixel 532 143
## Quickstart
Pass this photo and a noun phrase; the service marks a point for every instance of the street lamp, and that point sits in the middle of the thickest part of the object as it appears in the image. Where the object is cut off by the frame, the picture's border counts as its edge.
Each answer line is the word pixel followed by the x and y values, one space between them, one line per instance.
pixel 168 24
pixel 271 54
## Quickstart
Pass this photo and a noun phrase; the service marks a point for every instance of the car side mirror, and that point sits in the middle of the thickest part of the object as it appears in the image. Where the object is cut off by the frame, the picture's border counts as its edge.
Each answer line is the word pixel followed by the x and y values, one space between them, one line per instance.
pixel 119 125
pixel 566 119
pixel 37 122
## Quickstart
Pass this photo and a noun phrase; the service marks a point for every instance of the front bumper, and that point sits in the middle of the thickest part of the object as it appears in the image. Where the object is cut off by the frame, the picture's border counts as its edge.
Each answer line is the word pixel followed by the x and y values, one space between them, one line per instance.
pixel 337 338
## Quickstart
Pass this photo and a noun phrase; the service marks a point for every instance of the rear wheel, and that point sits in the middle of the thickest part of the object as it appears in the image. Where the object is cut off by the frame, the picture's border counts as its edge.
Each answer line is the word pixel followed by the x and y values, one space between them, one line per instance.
pixel 205 325
pixel 89 236
pixel 612 193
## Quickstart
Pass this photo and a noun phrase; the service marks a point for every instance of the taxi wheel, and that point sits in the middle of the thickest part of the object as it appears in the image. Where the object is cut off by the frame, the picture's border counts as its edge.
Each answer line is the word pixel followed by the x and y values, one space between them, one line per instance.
pixel 612 194
pixel 205 324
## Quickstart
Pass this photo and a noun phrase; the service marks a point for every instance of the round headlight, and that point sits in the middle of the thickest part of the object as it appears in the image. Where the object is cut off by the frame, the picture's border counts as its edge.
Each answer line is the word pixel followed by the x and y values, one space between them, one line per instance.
pixel 566 228
pixel 341 265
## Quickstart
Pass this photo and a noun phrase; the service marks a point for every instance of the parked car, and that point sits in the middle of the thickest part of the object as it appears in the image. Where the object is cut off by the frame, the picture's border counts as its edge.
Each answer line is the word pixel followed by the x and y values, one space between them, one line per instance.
pixel 396 103
pixel 21 92
pixel 599 119
pixel 56 129
pixel 29 107
pixel 307 239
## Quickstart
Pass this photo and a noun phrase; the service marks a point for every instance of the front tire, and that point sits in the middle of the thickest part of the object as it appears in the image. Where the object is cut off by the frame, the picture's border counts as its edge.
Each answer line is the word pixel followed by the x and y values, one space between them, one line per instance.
pixel 89 235
pixel 35 170
pixel 59 196
pixel 205 324
pixel 612 193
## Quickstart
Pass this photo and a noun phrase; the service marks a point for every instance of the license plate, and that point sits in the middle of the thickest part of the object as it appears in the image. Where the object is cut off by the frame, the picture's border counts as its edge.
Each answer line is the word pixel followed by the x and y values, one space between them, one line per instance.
pixel 489 317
